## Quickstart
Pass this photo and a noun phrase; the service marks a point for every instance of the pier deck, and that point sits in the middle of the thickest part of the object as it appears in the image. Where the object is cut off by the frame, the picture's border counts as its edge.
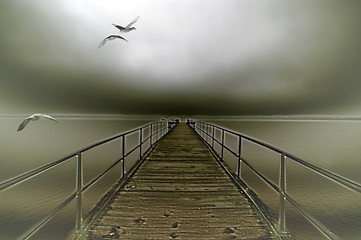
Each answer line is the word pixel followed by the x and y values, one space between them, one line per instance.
pixel 180 191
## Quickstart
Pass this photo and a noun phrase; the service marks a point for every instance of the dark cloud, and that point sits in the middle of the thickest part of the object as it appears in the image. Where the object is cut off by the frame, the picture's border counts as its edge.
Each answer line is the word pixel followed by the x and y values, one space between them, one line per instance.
pixel 305 61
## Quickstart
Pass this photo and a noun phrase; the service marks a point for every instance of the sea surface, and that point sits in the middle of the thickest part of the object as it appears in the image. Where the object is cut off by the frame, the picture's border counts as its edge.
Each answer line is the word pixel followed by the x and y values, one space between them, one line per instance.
pixel 331 144
pixel 334 145
pixel 44 141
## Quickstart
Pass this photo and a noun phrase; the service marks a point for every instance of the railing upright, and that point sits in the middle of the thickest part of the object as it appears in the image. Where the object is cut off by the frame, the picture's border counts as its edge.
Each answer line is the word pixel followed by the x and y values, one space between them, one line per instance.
pixel 213 137
pixel 161 129
pixel 164 125
pixel 203 131
pixel 156 132
pixel 282 184
pixel 222 148
pixel 151 133
pixel 206 132
pixel 239 157
pixel 123 156
pixel 79 186
pixel 140 143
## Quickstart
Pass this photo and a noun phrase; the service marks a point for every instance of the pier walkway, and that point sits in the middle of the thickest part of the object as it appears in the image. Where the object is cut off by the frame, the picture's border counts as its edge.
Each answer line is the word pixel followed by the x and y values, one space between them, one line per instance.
pixel 180 191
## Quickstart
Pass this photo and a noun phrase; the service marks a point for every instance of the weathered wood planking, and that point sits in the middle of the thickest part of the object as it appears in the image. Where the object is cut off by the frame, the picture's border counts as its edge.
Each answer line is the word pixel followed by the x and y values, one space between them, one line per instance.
pixel 180 192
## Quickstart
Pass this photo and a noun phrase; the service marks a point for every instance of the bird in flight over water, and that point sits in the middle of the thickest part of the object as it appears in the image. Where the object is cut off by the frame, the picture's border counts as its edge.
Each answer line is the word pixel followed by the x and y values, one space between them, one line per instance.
pixel 111 37
pixel 34 117
pixel 128 28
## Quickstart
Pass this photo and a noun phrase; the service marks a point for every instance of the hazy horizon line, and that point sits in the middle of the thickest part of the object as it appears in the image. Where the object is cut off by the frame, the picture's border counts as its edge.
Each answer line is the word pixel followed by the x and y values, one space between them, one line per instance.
pixel 286 117
pixel 221 117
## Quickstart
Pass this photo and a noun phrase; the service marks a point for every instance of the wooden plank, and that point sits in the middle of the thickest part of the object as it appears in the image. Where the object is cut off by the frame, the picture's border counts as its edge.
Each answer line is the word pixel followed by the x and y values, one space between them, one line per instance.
pixel 118 232
pixel 251 221
pixel 180 192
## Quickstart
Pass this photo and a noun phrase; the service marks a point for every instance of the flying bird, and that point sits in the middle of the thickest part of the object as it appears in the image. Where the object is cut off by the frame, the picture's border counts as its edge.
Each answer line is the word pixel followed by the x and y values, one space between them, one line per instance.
pixel 128 28
pixel 111 37
pixel 34 117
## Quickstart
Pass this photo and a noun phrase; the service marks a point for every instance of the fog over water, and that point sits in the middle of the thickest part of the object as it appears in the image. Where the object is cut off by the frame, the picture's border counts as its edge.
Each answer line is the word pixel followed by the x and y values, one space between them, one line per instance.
pixel 186 57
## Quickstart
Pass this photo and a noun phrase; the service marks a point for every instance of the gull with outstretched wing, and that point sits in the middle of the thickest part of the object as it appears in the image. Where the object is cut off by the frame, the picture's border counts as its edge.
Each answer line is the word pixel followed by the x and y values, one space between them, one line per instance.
pixel 111 37
pixel 34 117
pixel 127 28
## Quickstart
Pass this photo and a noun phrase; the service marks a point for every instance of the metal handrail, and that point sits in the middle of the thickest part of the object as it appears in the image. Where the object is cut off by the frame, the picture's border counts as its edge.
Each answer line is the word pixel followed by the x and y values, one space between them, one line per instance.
pixel 203 130
pixel 156 131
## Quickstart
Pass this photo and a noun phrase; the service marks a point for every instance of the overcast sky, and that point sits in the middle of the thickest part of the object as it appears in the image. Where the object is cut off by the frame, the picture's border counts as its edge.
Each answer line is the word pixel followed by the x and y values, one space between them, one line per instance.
pixel 219 57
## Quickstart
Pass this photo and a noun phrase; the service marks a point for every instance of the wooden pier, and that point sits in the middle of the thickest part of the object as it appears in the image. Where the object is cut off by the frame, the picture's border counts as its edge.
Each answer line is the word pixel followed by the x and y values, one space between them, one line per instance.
pixel 180 191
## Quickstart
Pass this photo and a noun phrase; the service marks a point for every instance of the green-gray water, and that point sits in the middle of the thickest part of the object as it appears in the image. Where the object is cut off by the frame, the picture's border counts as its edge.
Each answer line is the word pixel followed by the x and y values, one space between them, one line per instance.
pixel 333 145
pixel 45 141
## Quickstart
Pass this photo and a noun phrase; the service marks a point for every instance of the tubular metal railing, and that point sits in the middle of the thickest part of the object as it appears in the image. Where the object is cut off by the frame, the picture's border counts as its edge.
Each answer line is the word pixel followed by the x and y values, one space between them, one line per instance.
pixel 155 132
pixel 207 132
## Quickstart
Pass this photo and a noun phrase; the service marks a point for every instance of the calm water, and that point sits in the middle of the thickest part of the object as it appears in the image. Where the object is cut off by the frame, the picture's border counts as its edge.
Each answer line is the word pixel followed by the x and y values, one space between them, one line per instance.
pixel 334 145
pixel 45 141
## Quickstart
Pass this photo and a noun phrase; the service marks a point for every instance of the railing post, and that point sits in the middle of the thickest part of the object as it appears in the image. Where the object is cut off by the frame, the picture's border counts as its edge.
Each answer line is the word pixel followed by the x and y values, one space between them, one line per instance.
pixel 156 132
pixel 151 134
pixel 79 186
pixel 140 142
pixel 213 137
pixel 222 144
pixel 207 137
pixel 239 156
pixel 282 183
pixel 161 129
pixel 123 156
pixel 205 131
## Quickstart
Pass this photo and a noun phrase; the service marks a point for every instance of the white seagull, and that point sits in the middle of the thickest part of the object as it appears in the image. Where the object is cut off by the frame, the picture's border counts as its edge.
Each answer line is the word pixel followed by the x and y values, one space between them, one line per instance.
pixel 128 28
pixel 34 117
pixel 111 37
